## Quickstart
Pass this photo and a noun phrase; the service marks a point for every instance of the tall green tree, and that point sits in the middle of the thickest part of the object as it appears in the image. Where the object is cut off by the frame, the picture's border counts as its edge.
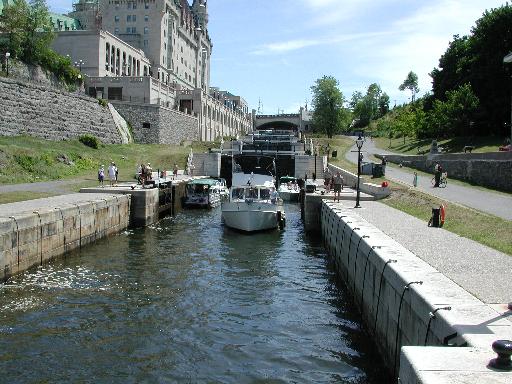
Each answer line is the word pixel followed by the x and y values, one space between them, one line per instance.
pixel 39 31
pixel 13 26
pixel 329 115
pixel 477 59
pixel 410 83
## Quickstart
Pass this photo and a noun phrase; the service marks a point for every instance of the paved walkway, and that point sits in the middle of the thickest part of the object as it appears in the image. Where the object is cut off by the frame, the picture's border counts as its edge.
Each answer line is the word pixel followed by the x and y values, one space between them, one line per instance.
pixel 480 270
pixel 487 201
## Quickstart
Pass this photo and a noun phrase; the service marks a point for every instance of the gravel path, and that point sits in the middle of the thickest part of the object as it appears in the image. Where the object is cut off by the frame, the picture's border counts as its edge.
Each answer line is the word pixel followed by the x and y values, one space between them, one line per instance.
pixel 480 270
pixel 487 201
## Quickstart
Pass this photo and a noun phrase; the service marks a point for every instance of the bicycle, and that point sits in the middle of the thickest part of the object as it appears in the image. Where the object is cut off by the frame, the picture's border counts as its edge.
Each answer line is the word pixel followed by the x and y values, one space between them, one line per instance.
pixel 443 180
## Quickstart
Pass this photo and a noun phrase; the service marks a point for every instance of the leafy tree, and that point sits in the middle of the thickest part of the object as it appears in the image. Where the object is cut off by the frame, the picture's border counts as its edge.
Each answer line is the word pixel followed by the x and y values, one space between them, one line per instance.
pixel 477 59
pixel 383 104
pixel 329 115
pixel 410 83
pixel 39 31
pixel 13 25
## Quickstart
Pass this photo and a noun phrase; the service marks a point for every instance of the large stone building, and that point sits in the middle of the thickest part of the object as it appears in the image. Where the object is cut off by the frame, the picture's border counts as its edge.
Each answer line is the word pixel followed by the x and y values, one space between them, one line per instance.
pixel 152 52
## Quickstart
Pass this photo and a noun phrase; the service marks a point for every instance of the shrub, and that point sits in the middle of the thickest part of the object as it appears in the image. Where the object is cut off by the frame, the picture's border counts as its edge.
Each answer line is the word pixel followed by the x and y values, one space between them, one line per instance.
pixel 102 102
pixel 90 141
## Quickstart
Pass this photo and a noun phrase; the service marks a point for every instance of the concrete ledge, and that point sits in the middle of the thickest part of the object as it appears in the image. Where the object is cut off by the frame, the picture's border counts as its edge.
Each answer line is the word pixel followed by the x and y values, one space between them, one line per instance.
pixel 438 365
pixel 39 230
pixel 350 179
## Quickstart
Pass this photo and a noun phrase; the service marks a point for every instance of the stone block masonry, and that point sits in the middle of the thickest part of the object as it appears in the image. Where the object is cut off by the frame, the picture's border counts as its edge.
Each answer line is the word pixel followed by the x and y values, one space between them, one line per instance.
pixel 52 114
pixel 154 124
pixel 36 231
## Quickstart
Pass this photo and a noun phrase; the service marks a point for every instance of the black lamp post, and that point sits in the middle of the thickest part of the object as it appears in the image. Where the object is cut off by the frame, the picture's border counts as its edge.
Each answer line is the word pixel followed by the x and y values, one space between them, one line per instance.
pixel 359 143
pixel 7 55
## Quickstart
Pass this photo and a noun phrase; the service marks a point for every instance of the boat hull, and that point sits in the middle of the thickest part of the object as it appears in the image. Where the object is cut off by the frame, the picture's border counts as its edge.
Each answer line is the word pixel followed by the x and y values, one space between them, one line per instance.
pixel 289 195
pixel 250 217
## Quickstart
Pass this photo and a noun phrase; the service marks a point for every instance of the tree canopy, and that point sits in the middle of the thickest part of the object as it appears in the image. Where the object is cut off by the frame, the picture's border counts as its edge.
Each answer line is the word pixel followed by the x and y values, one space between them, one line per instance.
pixel 477 59
pixel 329 115
pixel 410 83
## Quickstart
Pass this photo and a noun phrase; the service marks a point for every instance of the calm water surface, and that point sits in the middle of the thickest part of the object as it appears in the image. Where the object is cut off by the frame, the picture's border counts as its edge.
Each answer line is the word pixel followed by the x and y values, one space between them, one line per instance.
pixel 185 301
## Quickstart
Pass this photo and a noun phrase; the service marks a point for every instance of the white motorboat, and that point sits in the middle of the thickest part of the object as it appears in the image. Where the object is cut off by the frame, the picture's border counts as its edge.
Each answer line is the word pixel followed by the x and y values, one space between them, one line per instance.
pixel 254 204
pixel 202 193
pixel 288 188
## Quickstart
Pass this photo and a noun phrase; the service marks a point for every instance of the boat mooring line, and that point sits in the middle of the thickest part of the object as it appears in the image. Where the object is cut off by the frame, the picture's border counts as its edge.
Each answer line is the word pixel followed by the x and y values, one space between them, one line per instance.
pixel 406 288
pixel 364 275
pixel 355 260
pixel 432 316
pixel 349 246
pixel 380 288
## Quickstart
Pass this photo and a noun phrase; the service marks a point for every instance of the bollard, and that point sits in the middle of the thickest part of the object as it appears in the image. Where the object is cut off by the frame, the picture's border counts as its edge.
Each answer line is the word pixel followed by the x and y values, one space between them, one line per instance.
pixel 504 350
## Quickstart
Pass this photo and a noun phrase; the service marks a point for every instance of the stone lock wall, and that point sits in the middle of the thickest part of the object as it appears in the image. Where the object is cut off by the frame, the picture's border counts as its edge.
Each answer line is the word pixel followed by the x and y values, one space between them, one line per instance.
pixel 396 292
pixel 493 169
pixel 29 238
pixel 52 114
pixel 154 124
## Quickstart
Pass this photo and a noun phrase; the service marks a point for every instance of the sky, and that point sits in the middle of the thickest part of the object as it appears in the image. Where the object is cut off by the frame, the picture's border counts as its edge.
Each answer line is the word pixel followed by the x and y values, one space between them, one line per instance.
pixel 270 52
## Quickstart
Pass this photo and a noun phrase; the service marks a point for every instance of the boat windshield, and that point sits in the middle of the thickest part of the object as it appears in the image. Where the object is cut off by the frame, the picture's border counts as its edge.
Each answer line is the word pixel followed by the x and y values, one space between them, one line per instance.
pixel 252 193
pixel 264 194
pixel 238 193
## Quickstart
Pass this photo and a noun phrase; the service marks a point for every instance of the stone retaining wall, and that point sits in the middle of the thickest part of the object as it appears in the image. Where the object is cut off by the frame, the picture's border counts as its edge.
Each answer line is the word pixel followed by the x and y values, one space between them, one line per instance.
pixel 52 114
pixel 493 170
pixel 29 238
pixel 154 124
pixel 384 279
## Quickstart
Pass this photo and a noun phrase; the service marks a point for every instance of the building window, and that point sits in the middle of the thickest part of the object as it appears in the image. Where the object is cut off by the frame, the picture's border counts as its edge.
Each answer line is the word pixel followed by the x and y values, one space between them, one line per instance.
pixel 129 18
pixel 146 5
pixel 134 5
pixel 134 30
pixel 134 18
pixel 146 30
pixel 129 5
pixel 116 19
pixel 146 125
pixel 128 30
pixel 146 18
pixel 116 31
pixel 146 43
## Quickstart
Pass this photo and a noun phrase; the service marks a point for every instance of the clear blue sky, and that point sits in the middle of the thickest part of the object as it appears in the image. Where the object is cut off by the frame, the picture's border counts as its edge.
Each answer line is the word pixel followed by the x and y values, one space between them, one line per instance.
pixel 274 50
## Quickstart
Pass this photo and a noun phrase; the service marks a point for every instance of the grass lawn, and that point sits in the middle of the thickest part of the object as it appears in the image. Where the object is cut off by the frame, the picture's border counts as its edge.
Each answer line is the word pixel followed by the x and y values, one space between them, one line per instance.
pixel 480 227
pixel 12 197
pixel 414 146
pixel 27 159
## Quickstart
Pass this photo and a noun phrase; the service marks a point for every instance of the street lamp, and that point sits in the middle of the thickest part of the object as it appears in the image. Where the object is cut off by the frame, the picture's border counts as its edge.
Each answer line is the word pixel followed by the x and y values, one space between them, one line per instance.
pixel 7 55
pixel 508 60
pixel 79 64
pixel 359 143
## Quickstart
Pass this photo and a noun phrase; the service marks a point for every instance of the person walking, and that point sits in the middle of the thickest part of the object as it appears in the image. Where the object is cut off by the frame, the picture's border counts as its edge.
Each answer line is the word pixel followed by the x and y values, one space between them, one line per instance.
pixel 338 186
pixel 327 180
pixel 101 175
pixel 415 179
pixel 175 172
pixel 384 162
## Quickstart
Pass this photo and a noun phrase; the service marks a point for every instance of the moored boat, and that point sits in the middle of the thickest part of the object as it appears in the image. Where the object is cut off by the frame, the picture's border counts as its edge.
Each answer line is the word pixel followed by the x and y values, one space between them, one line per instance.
pixel 202 193
pixel 288 188
pixel 254 204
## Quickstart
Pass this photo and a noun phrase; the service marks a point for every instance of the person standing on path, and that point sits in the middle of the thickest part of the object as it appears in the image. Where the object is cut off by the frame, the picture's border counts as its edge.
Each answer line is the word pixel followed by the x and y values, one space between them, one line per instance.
pixel 384 162
pixel 101 175
pixel 175 172
pixel 112 173
pixel 437 174
pixel 338 186
pixel 415 179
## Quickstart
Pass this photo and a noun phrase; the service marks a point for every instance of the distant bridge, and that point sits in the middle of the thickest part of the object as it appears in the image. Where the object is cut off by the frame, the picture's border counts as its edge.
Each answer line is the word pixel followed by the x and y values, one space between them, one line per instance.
pixel 292 121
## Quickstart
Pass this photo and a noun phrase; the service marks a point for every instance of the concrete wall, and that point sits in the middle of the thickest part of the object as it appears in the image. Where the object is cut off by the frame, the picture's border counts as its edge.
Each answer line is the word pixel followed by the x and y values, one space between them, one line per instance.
pixel 305 164
pixel 52 114
pixel 493 170
pixel 350 179
pixel 29 238
pixel 166 126
pixel 377 270
pixel 207 164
